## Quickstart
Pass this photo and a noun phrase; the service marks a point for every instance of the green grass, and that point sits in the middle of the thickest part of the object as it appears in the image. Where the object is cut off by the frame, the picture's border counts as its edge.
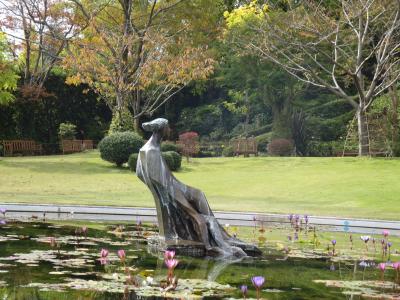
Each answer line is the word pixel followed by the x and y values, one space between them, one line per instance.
pixel 350 187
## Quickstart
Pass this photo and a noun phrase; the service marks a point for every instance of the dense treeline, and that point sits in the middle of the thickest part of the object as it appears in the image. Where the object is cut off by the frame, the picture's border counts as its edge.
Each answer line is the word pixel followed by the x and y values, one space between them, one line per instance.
pixel 224 69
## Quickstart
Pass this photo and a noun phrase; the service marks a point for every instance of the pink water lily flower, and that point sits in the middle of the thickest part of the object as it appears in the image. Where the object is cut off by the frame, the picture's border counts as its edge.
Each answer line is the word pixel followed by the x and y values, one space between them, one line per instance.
pixel 169 254
pixel 171 263
pixel 104 253
pixel 382 267
pixel 121 254
pixel 385 233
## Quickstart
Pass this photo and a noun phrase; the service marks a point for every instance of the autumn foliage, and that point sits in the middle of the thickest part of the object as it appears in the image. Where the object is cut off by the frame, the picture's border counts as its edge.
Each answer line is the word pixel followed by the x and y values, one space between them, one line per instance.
pixel 189 143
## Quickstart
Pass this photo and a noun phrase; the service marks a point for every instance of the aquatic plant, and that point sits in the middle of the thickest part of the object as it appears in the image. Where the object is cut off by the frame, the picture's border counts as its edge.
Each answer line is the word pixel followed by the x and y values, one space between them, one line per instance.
pixel 171 265
pixel 52 241
pixel 382 268
pixel 3 211
pixel 374 243
pixel 351 242
pixel 169 254
pixel 332 267
pixel 243 288
pixel 385 233
pixel 103 253
pixel 365 239
pixel 396 267
pixel 258 282
pixel 122 255
pixel 84 230
pixel 290 217
pixel 333 246
pixel 306 220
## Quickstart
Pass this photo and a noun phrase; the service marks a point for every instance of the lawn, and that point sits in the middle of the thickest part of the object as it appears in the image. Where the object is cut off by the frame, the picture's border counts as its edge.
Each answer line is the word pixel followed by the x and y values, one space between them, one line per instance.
pixel 350 187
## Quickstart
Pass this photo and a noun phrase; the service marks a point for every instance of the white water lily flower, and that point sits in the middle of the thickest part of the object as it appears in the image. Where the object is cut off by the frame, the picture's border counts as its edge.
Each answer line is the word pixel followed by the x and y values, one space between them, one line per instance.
pixel 149 279
pixel 365 238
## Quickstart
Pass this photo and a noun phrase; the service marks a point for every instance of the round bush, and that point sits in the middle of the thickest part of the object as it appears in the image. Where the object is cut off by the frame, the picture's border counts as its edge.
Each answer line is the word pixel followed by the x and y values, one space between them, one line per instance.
pixel 169 160
pixel 228 151
pixel 280 147
pixel 132 161
pixel 173 160
pixel 177 160
pixel 117 147
pixel 169 146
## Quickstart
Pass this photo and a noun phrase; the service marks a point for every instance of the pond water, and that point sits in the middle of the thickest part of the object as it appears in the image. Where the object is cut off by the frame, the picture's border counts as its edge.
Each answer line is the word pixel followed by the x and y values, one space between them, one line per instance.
pixel 40 260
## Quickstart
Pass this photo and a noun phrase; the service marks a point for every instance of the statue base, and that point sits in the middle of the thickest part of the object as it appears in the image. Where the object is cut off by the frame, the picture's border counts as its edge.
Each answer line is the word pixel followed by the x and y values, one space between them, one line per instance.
pixel 157 245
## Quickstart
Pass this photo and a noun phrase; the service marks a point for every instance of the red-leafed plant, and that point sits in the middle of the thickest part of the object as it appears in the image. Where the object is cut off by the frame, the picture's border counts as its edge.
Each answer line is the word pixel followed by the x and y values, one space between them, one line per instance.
pixel 189 143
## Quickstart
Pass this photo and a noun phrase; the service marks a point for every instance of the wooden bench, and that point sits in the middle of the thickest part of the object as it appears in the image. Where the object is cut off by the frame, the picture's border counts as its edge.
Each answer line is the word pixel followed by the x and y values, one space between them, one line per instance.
pixel 12 147
pixel 245 146
pixel 377 152
pixel 73 146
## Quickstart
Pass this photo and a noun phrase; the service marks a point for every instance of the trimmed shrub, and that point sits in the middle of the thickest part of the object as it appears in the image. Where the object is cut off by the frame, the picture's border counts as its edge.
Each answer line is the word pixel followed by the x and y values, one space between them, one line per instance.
pixel 121 122
pixel 132 161
pixel 280 147
pixel 168 146
pixel 173 160
pixel 177 160
pixel 117 147
pixel 169 160
pixel 228 151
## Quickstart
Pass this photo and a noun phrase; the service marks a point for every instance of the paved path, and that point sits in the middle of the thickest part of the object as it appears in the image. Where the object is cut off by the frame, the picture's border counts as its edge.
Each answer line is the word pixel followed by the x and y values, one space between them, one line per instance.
pixel 113 213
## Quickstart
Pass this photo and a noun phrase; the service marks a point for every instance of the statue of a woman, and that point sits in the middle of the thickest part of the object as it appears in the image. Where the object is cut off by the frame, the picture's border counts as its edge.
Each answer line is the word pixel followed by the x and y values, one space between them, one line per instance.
pixel 183 212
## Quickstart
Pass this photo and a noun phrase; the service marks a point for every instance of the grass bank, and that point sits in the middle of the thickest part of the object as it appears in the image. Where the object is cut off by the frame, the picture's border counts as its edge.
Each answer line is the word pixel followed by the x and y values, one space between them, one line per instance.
pixel 350 187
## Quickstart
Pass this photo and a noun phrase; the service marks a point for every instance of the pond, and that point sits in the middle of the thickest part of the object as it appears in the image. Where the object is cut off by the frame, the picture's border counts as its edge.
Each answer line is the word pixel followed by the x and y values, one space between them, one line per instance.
pixel 42 260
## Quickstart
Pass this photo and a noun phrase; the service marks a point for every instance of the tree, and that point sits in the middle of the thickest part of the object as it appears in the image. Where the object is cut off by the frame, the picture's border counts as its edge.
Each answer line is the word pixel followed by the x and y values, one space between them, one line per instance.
pixel 350 50
pixel 8 75
pixel 40 30
pixel 139 54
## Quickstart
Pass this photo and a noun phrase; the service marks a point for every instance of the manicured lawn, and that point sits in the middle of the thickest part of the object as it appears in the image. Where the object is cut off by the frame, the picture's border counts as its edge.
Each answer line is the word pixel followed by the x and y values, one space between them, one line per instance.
pixel 350 187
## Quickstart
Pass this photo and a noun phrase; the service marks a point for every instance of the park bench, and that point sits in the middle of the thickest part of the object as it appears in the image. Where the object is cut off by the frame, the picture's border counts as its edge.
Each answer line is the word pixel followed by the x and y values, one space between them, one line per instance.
pixel 245 146
pixel 377 152
pixel 73 146
pixel 12 147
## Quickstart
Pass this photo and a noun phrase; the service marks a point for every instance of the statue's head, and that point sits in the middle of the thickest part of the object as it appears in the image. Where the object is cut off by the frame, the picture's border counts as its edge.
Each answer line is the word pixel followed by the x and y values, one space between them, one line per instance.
pixel 158 124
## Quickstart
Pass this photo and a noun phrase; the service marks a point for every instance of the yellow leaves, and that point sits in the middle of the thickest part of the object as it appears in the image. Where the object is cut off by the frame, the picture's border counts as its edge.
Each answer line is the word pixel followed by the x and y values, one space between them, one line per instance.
pixel 245 15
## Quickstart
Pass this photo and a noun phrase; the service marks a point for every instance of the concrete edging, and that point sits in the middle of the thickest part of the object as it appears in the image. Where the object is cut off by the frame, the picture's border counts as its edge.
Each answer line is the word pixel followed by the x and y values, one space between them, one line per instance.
pixel 111 213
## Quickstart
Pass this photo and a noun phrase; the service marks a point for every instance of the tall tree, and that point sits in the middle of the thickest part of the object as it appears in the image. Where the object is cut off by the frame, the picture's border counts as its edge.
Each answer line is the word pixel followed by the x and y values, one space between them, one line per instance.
pixel 138 54
pixel 40 30
pixel 8 74
pixel 351 50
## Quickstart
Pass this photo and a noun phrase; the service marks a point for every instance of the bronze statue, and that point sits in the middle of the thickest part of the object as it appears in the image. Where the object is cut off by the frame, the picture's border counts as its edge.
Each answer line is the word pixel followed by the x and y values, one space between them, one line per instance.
pixel 183 212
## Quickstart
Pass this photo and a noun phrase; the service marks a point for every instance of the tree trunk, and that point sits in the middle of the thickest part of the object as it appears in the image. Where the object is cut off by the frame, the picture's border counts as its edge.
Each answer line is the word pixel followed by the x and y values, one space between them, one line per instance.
pixel 135 102
pixel 137 127
pixel 363 140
